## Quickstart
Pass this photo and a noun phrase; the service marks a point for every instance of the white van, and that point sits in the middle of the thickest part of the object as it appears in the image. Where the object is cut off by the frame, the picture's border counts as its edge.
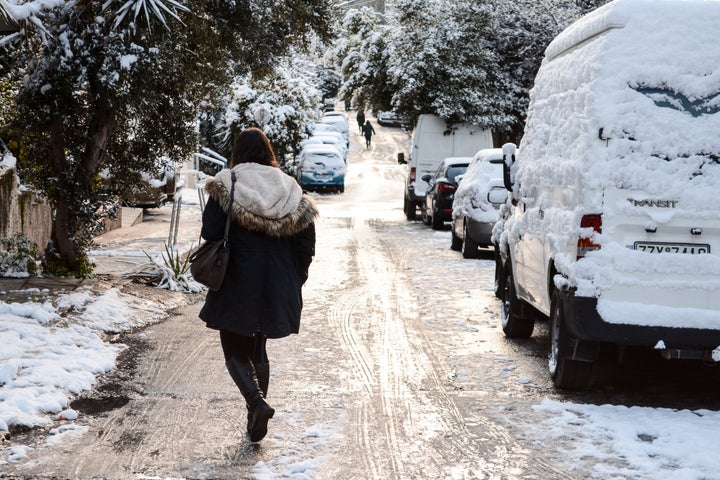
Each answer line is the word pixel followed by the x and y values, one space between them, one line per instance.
pixel 614 229
pixel 430 143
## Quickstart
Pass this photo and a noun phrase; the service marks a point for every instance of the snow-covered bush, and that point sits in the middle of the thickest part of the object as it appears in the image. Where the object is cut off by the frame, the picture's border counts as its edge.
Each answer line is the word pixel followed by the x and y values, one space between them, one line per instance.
pixel 18 257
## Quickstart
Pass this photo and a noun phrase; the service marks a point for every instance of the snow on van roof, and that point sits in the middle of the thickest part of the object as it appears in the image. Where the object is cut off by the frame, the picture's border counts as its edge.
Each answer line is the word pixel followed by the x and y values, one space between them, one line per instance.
pixel 629 96
pixel 456 160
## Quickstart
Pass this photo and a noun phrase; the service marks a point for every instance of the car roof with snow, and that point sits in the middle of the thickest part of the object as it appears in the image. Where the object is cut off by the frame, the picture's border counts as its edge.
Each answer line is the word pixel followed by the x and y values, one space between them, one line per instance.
pixel 320 149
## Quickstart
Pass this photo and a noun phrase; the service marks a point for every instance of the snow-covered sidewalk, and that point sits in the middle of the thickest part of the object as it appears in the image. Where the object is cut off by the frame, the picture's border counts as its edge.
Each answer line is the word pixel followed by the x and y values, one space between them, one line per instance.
pixel 57 341
pixel 55 349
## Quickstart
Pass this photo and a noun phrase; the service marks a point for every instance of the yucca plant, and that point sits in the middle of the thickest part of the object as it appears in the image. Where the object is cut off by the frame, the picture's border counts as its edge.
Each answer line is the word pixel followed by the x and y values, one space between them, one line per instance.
pixel 169 270
pixel 152 10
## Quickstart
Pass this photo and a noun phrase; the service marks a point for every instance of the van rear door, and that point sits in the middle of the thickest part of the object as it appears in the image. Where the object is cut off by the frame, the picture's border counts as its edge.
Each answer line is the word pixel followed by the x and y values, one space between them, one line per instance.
pixel 672 247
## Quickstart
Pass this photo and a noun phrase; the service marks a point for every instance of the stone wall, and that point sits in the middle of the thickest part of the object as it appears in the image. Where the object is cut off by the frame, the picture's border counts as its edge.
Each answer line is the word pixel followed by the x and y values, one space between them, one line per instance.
pixel 23 211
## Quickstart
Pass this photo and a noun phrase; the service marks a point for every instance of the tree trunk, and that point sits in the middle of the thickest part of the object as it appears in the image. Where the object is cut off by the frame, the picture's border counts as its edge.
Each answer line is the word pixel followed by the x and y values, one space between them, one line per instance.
pixel 67 224
pixel 101 127
pixel 61 235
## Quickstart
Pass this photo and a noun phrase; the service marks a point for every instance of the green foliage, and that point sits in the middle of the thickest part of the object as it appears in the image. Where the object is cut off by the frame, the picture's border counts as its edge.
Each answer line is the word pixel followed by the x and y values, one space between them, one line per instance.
pixel 464 60
pixel 18 256
pixel 282 104
pixel 54 265
pixel 364 56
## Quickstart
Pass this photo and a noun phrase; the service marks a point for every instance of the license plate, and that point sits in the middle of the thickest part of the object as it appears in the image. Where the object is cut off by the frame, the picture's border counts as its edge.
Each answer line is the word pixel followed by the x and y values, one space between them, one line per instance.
pixel 660 247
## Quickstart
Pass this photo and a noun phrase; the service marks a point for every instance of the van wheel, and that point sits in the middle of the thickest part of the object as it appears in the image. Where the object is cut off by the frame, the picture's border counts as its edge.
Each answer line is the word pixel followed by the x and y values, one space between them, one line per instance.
pixel 566 373
pixel 513 325
pixel 436 222
pixel 409 209
pixel 455 241
pixel 469 247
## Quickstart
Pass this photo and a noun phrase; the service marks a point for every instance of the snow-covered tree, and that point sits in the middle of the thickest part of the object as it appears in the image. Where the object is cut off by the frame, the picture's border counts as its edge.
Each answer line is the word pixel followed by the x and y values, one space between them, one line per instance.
pixel 523 29
pixel 464 60
pixel 116 85
pixel 443 63
pixel 363 53
pixel 281 104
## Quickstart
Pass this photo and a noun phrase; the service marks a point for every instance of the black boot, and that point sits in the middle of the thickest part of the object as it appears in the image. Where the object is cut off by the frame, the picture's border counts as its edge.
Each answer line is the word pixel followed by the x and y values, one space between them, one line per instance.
pixel 243 374
pixel 262 371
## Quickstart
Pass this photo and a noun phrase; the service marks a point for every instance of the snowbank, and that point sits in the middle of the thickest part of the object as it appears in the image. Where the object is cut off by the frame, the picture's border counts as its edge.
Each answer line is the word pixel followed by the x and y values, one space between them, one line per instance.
pixel 52 352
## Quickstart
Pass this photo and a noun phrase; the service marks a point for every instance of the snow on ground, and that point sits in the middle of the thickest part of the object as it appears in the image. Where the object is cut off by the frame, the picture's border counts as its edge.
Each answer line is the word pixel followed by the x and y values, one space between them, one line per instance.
pixel 54 350
pixel 634 442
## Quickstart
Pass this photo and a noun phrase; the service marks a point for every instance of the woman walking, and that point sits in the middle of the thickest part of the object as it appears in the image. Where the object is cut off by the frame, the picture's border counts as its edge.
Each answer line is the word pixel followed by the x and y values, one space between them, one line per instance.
pixel 272 242
pixel 368 131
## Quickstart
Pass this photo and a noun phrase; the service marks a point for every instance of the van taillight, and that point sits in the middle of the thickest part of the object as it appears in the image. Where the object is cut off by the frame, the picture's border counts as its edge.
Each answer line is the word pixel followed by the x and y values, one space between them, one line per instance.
pixel 585 242
pixel 412 174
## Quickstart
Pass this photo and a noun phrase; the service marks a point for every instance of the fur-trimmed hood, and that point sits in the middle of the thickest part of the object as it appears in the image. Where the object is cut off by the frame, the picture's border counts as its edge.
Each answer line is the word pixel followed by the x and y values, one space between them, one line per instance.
pixel 266 200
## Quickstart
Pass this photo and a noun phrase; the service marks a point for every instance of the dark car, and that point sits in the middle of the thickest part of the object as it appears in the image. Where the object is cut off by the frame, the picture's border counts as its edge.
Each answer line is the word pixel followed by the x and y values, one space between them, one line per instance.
pixel 388 119
pixel 155 190
pixel 437 208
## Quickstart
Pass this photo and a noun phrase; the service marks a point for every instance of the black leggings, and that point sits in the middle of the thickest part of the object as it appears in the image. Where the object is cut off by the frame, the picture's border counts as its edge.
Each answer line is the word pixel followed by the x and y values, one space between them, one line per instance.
pixel 247 349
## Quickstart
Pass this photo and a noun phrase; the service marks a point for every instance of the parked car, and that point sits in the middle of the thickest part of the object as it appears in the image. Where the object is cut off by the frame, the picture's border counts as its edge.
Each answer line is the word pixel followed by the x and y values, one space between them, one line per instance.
pixel 437 208
pixel 340 125
pixel 157 189
pixel 320 167
pixel 388 119
pixel 477 201
pixel 322 128
pixel 334 113
pixel 613 231
pixel 326 138
pixel 430 143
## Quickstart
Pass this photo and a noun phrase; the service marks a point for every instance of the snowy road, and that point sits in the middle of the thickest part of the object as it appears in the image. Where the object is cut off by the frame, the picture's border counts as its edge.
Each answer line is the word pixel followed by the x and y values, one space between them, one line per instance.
pixel 400 371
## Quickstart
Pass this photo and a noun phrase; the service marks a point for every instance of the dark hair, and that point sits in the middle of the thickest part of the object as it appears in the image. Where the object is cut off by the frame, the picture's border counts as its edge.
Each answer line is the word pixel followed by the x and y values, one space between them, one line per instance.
pixel 253 146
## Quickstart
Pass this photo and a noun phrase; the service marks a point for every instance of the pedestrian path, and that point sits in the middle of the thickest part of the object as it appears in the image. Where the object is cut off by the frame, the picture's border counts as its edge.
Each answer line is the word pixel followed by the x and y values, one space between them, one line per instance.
pixel 121 251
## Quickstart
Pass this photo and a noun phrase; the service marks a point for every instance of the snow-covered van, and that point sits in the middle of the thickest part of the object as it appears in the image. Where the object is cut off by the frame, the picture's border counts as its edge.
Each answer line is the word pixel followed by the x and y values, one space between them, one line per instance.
pixel 613 227
pixel 430 143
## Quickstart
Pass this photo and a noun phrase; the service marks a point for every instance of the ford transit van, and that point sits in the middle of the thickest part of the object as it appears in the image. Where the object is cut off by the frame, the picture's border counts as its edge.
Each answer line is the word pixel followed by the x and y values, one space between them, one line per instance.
pixel 431 142
pixel 612 231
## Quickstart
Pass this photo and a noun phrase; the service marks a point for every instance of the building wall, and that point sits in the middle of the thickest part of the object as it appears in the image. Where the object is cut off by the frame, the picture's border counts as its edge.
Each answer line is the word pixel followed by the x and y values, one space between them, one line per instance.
pixel 23 211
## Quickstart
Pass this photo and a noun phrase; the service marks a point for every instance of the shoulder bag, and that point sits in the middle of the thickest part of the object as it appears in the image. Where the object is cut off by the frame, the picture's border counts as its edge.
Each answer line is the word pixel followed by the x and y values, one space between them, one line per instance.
pixel 209 262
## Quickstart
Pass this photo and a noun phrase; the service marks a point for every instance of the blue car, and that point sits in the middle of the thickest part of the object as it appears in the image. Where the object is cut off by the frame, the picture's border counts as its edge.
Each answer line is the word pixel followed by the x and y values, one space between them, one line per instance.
pixel 320 167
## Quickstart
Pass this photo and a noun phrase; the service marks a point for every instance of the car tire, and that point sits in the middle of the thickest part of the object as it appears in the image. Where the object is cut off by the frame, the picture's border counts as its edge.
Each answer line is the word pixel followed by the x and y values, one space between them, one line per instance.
pixel 409 208
pixel 566 373
pixel 424 215
pixel 513 325
pixel 499 276
pixel 341 189
pixel 455 241
pixel 469 247
pixel 436 222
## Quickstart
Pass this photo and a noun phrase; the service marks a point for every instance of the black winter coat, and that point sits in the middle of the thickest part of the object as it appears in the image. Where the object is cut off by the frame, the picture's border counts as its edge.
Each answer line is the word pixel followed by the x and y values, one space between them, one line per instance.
pixel 269 260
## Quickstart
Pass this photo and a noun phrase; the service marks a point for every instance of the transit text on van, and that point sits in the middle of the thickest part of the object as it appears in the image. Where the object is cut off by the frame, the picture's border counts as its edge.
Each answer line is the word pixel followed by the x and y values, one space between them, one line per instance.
pixel 653 203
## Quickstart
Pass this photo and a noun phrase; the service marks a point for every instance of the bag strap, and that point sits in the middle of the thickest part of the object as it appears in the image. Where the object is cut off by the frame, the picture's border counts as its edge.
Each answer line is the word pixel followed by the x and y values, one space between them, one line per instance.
pixel 232 194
